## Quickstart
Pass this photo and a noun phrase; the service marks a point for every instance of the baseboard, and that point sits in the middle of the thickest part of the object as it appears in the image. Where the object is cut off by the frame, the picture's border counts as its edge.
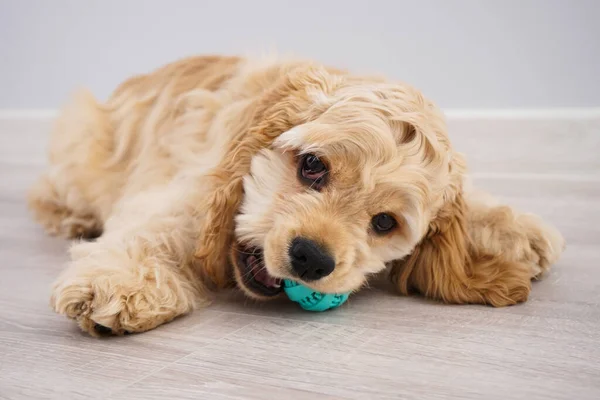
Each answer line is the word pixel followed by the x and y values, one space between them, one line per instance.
pixel 12 114
pixel 574 113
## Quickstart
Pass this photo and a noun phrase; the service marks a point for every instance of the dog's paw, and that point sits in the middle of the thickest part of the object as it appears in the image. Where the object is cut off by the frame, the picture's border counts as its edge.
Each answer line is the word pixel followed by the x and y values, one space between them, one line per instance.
pixel 113 295
pixel 546 244
pixel 59 218
pixel 103 303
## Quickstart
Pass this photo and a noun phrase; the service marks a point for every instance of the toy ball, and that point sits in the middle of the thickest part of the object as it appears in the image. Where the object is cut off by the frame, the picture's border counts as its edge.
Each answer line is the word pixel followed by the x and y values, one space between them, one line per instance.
pixel 311 300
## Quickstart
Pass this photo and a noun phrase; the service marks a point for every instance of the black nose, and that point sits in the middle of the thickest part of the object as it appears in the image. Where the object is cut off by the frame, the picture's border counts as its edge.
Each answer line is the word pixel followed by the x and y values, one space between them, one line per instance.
pixel 309 260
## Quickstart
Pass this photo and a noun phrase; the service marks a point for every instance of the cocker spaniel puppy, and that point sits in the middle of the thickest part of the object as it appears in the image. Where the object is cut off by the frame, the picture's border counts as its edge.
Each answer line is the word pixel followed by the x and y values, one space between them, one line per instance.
pixel 219 170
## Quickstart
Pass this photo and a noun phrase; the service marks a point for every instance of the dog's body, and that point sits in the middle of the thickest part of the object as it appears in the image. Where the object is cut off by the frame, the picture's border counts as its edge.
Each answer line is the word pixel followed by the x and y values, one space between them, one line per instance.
pixel 215 168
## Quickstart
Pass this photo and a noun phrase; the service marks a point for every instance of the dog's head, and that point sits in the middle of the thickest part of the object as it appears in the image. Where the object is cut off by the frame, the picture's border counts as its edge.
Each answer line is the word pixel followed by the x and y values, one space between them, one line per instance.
pixel 353 177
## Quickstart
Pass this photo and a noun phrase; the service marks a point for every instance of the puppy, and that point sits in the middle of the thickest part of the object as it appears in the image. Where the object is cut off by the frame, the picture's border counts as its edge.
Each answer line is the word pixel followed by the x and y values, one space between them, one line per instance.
pixel 219 170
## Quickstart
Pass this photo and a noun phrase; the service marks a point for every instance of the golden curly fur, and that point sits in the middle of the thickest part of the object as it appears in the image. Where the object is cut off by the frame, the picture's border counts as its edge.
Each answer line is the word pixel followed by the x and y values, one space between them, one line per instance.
pixel 183 168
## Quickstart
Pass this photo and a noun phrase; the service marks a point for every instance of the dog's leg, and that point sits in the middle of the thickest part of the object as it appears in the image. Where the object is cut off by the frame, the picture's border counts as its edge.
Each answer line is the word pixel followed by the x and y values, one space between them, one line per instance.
pixel 60 207
pixel 74 196
pixel 479 252
pixel 501 232
pixel 138 275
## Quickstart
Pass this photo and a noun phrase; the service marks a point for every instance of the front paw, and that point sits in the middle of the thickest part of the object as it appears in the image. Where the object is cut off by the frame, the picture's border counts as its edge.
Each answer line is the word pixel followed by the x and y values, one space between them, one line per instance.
pixel 545 242
pixel 120 295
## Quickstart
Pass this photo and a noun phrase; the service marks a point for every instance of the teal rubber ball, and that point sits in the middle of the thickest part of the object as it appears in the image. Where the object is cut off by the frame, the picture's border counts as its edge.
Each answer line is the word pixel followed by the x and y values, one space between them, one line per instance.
pixel 311 300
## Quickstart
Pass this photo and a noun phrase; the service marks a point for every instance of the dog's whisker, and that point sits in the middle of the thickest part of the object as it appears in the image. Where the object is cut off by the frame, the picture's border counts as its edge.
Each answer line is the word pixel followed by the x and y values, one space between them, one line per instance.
pixel 241 251
pixel 250 271
pixel 315 181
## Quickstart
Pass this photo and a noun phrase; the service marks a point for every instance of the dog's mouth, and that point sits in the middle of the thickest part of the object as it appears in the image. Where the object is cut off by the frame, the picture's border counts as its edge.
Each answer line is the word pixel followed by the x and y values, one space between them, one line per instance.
pixel 254 275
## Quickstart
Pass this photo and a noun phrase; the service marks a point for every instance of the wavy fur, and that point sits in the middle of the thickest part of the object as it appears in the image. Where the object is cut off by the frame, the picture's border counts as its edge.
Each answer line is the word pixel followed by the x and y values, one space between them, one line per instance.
pixel 182 165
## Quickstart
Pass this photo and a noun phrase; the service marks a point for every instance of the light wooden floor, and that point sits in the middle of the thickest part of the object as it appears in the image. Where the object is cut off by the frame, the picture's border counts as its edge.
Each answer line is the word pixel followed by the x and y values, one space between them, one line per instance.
pixel 376 346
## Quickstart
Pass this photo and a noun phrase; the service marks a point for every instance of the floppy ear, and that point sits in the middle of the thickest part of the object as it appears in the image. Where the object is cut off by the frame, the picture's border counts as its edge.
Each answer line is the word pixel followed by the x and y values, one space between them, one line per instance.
pixel 284 106
pixel 446 266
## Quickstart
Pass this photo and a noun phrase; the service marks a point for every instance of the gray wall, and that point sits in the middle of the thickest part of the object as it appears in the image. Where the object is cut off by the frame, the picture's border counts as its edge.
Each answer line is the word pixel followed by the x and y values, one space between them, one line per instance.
pixel 463 54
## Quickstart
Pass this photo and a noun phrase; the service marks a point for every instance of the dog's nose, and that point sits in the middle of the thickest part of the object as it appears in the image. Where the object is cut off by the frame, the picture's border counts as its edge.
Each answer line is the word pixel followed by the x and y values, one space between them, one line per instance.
pixel 309 260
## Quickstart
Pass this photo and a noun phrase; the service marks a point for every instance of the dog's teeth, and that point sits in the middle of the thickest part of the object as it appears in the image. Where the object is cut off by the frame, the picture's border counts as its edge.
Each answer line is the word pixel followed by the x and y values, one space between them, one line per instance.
pixel 276 285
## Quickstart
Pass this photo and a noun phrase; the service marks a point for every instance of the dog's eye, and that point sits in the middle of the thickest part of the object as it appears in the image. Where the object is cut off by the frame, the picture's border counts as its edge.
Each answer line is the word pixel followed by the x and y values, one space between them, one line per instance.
pixel 383 223
pixel 312 171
